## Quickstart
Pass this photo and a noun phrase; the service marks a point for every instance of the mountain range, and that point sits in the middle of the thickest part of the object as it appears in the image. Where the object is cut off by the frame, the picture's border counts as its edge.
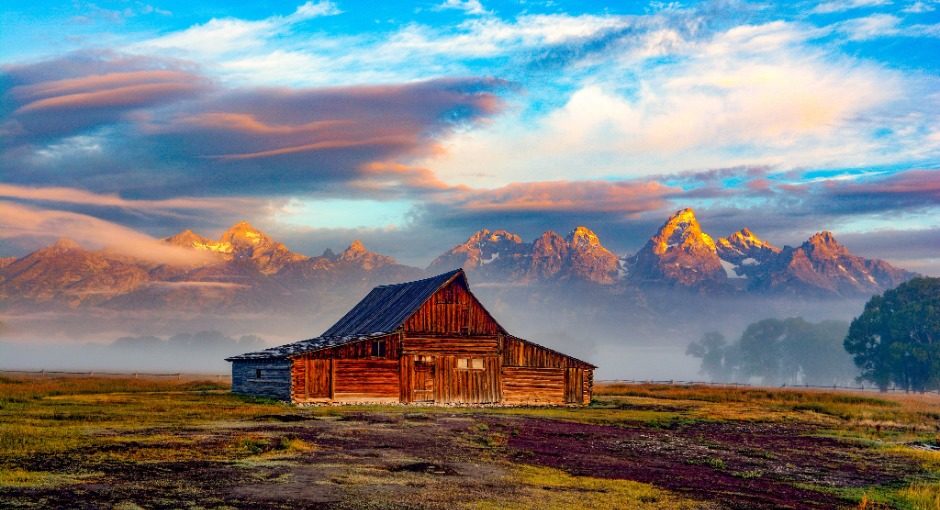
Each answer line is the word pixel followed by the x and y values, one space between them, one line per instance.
pixel 680 281
pixel 247 271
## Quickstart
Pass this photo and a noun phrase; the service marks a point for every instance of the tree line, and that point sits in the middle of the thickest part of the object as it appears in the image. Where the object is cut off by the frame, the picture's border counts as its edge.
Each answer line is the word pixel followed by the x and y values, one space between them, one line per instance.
pixel 894 342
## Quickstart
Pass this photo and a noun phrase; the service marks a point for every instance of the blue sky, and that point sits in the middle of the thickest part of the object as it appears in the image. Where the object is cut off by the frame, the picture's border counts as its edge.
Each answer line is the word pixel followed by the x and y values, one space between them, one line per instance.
pixel 412 124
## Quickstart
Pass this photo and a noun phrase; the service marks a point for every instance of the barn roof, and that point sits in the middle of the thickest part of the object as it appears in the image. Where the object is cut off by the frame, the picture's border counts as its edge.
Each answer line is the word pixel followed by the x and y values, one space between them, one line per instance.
pixel 388 306
pixel 381 312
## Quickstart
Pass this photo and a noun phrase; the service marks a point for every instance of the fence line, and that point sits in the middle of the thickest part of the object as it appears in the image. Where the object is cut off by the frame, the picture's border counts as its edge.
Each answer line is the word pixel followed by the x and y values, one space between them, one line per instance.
pixel 748 385
pixel 104 373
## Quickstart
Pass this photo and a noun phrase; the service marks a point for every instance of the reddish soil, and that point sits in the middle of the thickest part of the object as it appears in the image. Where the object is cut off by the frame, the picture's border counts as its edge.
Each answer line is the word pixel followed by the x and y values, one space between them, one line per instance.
pixel 740 465
pixel 432 460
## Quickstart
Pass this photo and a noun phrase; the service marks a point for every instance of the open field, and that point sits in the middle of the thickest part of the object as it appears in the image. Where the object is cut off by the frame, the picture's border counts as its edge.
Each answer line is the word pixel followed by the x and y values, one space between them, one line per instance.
pixel 137 443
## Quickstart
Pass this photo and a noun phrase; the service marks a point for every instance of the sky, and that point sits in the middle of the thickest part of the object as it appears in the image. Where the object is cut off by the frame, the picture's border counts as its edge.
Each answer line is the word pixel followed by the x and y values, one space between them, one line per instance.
pixel 410 125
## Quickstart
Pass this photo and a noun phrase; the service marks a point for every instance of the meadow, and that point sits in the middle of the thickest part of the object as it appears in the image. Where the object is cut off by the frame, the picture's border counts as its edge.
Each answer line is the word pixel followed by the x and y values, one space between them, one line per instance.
pixel 85 442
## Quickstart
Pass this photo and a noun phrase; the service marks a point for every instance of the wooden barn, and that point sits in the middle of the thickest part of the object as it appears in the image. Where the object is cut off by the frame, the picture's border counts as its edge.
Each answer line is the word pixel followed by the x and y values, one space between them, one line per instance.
pixel 427 341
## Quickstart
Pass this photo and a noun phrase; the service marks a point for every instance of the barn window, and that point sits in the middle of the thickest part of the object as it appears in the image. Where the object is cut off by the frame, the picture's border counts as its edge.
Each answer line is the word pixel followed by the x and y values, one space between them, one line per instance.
pixel 378 349
pixel 257 373
pixel 470 363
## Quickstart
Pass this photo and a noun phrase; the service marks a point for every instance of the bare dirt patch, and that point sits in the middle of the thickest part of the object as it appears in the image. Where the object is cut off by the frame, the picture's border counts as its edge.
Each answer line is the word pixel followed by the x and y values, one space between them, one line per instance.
pixel 739 465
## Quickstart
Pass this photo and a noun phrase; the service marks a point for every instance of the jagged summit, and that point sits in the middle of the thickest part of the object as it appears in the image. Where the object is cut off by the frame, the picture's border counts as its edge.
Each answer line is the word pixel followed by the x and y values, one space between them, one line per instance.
pixel 64 243
pixel 745 248
pixel 244 233
pixel 678 254
pixel 582 236
pixel 243 243
pixel 824 244
pixel 682 230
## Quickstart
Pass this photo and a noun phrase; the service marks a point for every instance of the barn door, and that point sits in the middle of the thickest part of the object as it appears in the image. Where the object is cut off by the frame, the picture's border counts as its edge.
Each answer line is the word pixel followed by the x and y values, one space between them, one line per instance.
pixel 574 385
pixel 422 379
pixel 318 378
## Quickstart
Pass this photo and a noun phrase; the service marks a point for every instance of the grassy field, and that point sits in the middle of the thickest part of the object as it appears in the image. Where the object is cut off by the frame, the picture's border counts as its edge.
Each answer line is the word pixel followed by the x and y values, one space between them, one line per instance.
pixel 136 443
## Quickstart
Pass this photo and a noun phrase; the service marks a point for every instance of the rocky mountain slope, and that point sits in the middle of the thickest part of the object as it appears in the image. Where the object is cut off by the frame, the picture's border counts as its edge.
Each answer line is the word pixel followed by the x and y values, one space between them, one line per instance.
pixel 682 255
pixel 678 254
pixel 248 271
pixel 502 257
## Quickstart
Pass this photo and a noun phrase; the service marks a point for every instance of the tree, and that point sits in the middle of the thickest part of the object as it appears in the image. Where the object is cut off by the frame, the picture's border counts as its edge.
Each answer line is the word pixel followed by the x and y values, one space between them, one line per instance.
pixel 778 351
pixel 896 339
pixel 712 349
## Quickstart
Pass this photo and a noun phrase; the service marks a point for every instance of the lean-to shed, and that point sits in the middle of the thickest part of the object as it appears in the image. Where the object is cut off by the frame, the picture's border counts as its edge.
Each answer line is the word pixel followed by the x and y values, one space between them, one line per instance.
pixel 429 341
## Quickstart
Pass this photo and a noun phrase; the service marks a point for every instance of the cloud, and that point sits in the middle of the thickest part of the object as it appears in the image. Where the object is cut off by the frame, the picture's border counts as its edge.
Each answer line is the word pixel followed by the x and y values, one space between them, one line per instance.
pixel 80 91
pixel 870 27
pixel 846 5
pixel 912 189
pixel 473 7
pixel 918 7
pixel 222 35
pixel 751 95
pixel 116 132
pixel 153 208
pixel 569 196
pixel 21 222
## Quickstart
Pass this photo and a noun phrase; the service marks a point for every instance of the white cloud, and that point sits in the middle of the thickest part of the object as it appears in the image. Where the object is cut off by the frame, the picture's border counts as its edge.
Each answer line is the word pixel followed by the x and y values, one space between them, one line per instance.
pixel 918 8
pixel 870 27
pixel 753 95
pixel 19 222
pixel 846 5
pixel 473 7
pixel 220 36
pixel 883 25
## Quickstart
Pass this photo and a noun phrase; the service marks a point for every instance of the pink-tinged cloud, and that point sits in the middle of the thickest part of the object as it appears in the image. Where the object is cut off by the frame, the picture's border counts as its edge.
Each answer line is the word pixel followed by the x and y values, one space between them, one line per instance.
pixel 81 91
pixel 387 141
pixel 571 196
pixel 248 123
pixel 62 195
pixel 132 95
pixel 158 128
pixel 22 222
pixel 914 184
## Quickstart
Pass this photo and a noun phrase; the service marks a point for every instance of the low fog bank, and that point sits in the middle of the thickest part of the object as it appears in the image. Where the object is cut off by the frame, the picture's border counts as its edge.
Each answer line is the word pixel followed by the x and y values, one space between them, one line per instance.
pixel 201 352
pixel 627 335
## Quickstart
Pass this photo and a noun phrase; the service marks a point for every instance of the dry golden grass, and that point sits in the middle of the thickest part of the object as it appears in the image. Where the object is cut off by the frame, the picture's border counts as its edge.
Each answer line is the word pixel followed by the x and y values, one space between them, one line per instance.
pixel 148 421
pixel 543 487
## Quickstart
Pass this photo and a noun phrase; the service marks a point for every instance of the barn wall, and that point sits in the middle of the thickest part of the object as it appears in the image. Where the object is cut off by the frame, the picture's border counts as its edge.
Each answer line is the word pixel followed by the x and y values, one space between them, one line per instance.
pixel 588 393
pixel 452 310
pixel 533 385
pixel 456 345
pixel 365 380
pixel 275 380
pixel 467 386
pixel 359 350
pixel 521 353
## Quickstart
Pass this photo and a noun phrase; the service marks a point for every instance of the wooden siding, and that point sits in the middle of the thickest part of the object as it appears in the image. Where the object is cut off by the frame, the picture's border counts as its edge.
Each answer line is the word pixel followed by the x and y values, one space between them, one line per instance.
pixel 522 353
pixel 275 380
pixel 466 386
pixel 588 387
pixel 533 385
pixel 365 380
pixel 452 310
pixel 311 380
pixel 361 349
pixel 456 345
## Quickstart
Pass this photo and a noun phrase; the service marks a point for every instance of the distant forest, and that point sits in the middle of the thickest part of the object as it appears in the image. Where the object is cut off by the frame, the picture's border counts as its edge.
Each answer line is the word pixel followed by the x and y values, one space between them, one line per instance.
pixel 776 352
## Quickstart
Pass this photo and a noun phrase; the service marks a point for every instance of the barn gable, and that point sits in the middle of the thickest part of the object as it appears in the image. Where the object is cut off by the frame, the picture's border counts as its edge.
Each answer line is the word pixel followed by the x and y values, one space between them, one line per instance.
pixel 389 307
